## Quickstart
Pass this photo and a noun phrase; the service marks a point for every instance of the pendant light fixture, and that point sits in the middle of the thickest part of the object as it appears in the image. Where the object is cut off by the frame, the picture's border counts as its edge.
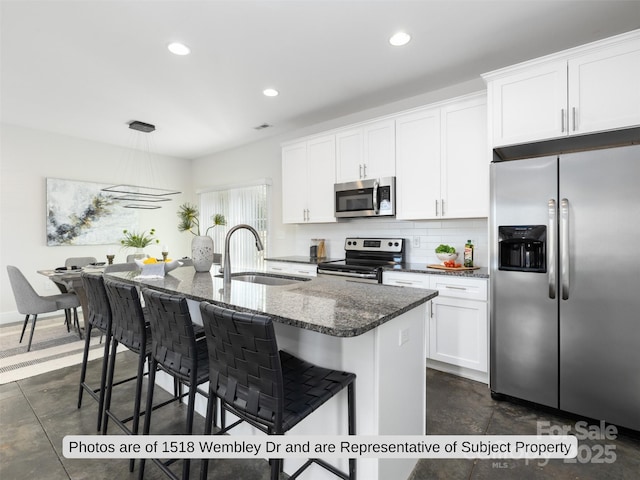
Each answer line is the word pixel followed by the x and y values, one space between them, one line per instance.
pixel 138 196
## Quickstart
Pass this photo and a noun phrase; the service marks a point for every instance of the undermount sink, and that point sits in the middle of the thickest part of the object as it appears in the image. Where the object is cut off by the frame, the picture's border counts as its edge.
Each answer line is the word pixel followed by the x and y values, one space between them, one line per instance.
pixel 266 278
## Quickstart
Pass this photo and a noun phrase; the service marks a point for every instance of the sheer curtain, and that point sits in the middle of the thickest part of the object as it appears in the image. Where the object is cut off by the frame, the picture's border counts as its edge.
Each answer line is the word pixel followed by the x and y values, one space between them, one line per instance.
pixel 239 204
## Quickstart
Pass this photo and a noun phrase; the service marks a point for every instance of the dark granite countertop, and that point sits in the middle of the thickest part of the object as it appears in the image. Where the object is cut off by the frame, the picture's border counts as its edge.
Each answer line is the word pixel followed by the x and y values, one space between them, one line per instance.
pixel 483 272
pixel 333 306
pixel 303 259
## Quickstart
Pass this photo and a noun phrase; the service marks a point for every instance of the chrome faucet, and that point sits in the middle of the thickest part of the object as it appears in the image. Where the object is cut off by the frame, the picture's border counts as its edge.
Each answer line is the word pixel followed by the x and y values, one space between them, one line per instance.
pixel 226 269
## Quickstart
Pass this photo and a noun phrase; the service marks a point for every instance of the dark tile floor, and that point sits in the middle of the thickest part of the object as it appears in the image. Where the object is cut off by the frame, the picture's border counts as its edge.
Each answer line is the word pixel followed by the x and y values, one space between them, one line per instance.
pixel 36 413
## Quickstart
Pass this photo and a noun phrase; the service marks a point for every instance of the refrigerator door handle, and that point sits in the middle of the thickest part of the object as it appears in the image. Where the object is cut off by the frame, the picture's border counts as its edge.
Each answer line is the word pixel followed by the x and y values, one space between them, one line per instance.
pixel 551 248
pixel 564 247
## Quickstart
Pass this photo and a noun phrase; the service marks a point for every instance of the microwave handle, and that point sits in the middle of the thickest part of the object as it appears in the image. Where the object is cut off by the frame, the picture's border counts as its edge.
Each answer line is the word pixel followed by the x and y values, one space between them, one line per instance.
pixel 376 204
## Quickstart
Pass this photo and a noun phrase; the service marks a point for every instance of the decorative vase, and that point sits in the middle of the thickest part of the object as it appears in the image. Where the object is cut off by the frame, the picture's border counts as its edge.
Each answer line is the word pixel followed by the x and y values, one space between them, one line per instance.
pixel 202 253
pixel 139 255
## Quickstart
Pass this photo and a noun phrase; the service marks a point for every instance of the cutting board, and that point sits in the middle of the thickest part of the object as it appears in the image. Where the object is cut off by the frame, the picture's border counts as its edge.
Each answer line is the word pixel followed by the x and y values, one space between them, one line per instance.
pixel 437 266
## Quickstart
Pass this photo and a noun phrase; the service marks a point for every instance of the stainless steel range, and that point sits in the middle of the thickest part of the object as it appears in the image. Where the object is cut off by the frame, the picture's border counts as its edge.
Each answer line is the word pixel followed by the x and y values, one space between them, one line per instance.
pixel 365 257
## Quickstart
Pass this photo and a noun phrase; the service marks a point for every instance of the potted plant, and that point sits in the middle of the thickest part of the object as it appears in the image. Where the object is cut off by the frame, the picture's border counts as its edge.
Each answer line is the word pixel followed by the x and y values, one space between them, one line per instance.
pixel 138 240
pixel 201 245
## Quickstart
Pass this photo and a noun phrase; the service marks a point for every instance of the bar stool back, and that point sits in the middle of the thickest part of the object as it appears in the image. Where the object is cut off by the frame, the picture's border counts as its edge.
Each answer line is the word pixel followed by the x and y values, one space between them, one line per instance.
pixel 177 351
pixel 98 316
pixel 270 389
pixel 130 329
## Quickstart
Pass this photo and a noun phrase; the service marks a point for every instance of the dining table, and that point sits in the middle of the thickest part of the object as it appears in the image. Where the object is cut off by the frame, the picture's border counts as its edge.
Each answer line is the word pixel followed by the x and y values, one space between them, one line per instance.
pixel 70 280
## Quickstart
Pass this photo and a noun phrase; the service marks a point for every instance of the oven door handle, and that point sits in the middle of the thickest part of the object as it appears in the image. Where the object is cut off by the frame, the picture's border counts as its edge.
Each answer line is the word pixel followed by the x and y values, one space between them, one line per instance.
pixel 348 274
pixel 376 203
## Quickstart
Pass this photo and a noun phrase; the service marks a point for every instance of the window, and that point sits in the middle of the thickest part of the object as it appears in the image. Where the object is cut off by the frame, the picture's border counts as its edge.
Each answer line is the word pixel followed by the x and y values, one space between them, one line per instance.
pixel 239 204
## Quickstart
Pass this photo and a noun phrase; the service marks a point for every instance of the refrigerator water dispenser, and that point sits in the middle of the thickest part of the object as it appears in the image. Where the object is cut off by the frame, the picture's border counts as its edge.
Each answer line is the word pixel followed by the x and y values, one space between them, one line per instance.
pixel 522 248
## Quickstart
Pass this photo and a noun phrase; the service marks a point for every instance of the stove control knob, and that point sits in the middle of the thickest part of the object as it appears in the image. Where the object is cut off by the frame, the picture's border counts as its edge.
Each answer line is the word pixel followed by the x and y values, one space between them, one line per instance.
pixel 397 244
pixel 391 244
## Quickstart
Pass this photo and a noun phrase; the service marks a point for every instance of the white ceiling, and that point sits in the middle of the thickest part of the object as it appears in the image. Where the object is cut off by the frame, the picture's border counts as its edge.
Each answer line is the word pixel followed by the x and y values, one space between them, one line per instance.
pixel 88 68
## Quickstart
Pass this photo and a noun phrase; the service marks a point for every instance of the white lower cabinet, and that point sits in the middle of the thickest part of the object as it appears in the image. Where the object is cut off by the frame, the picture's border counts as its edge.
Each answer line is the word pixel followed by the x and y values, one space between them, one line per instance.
pixel 292 268
pixel 457 322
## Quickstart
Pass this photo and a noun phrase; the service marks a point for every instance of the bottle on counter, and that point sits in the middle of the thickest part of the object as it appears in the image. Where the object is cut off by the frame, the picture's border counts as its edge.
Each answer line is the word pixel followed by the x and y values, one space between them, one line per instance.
pixel 468 254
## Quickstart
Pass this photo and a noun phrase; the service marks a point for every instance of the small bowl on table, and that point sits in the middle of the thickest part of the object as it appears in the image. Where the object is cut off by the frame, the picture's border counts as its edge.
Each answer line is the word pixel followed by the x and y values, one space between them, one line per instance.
pixel 446 256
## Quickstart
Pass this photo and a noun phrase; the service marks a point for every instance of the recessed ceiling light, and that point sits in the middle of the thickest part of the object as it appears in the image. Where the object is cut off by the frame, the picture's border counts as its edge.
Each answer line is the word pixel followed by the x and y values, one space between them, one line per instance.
pixel 270 92
pixel 179 49
pixel 399 39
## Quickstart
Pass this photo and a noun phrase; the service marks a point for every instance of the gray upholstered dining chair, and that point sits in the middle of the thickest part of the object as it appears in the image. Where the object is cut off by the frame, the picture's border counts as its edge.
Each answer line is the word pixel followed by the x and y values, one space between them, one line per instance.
pixel 79 261
pixel 30 303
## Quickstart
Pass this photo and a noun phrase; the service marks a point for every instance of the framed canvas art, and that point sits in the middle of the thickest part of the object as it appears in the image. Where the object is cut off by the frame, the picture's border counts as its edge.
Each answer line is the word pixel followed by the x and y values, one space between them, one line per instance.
pixel 80 213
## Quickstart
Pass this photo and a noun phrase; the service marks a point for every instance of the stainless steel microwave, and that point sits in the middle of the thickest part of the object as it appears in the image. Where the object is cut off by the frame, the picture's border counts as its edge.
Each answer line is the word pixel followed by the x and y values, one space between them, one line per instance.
pixel 366 198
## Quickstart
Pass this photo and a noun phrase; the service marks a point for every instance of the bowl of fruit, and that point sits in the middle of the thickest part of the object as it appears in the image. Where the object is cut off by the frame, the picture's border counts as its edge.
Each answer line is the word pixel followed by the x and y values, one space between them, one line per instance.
pixel 446 253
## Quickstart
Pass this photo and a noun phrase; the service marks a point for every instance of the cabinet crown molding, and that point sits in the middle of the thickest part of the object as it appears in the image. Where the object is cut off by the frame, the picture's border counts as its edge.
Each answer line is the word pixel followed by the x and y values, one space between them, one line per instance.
pixel 563 55
pixel 391 116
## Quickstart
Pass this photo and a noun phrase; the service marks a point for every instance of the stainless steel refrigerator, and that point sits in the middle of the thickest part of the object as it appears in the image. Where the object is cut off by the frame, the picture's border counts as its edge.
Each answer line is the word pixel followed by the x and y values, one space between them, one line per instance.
pixel 565 273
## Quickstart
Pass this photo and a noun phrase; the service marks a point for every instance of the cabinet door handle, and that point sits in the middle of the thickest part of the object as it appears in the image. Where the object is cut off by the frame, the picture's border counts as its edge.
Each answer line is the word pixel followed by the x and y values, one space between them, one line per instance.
pixel 442 206
pixel 402 282
pixel 364 170
pixel 451 287
pixel 436 208
pixel 573 114
pixel 277 269
pixel 360 171
pixel 562 119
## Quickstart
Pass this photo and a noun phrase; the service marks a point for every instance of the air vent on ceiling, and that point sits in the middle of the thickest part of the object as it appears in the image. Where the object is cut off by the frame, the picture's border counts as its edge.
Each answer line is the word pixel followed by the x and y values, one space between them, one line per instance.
pixel 263 126
pixel 141 126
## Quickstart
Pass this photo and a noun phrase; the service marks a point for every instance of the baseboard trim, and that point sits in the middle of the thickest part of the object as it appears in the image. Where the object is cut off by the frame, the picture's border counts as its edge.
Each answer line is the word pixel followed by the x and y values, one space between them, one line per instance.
pixel 478 376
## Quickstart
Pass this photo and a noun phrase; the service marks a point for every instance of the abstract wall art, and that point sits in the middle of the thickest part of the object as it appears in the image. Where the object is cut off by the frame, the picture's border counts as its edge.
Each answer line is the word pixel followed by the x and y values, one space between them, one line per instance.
pixel 80 213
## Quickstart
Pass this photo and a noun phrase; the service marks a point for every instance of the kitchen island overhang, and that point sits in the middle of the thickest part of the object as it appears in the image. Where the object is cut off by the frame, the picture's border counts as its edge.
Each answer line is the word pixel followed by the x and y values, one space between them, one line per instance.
pixel 375 331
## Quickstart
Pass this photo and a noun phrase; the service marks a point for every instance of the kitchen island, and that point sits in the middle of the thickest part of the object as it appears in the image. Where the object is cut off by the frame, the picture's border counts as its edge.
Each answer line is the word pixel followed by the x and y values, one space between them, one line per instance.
pixel 372 330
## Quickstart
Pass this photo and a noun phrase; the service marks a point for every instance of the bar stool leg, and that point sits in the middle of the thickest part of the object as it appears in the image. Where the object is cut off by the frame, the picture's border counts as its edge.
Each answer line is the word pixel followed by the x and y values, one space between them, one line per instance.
pixel 136 406
pixel 148 409
pixel 103 378
pixel 109 386
pixel 83 369
pixel 351 402
pixel 209 421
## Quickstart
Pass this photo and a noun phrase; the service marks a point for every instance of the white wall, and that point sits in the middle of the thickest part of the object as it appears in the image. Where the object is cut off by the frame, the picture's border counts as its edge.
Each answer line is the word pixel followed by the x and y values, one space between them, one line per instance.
pixel 263 159
pixel 27 158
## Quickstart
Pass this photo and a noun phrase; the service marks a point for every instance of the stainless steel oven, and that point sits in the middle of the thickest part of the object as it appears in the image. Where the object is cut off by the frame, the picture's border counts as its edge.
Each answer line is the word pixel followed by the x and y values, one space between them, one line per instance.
pixel 366 198
pixel 365 258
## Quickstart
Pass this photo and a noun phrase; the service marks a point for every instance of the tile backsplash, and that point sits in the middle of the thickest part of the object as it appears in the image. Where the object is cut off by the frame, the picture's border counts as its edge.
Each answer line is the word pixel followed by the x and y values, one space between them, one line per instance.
pixel 422 237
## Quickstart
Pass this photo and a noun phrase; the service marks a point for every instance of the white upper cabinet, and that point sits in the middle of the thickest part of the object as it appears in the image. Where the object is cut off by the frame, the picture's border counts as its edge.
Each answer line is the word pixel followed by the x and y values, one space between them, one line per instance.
pixel 308 176
pixel 604 91
pixel 366 151
pixel 418 164
pixel 530 105
pixel 441 161
pixel 321 177
pixel 583 90
pixel 294 183
pixel 465 166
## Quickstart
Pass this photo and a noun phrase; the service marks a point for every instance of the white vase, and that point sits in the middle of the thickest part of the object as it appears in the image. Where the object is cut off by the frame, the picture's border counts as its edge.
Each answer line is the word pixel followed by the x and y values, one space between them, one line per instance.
pixel 202 253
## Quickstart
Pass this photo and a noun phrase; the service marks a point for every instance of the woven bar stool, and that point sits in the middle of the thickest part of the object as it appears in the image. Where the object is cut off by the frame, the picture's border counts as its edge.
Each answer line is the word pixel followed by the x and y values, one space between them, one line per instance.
pixel 270 389
pixel 98 316
pixel 129 328
pixel 176 350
